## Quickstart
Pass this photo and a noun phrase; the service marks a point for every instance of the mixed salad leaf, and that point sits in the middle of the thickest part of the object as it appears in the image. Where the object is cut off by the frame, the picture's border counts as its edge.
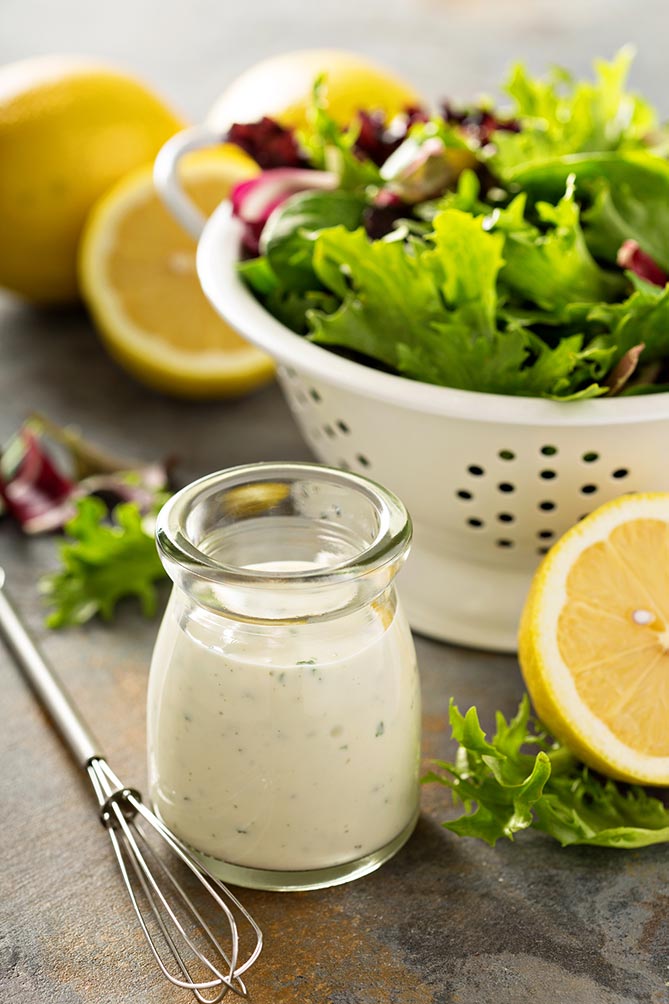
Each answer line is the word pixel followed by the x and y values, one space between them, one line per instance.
pixel 504 788
pixel 52 478
pixel 515 250
pixel 103 560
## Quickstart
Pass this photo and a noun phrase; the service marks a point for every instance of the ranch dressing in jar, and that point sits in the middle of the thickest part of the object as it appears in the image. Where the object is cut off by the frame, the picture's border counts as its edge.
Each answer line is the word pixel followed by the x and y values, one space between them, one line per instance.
pixel 284 702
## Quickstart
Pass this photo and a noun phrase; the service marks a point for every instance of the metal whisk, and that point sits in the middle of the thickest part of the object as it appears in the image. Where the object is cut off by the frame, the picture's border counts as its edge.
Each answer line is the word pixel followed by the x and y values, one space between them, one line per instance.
pixel 171 922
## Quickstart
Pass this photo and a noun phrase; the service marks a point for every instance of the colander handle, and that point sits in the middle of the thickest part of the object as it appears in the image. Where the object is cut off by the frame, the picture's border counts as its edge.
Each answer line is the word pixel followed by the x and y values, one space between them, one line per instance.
pixel 166 176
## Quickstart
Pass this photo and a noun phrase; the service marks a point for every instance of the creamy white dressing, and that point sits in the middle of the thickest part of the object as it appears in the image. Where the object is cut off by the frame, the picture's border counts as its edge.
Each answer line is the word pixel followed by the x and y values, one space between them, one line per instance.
pixel 289 746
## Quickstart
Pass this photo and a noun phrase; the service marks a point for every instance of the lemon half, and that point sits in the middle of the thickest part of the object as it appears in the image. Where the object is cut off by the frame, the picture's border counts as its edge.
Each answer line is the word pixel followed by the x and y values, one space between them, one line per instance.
pixel 281 87
pixel 69 128
pixel 594 639
pixel 138 277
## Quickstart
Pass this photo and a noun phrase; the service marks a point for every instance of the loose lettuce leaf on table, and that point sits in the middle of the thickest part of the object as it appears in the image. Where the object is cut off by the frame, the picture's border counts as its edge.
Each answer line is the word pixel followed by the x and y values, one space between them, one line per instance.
pixel 102 562
pixel 504 788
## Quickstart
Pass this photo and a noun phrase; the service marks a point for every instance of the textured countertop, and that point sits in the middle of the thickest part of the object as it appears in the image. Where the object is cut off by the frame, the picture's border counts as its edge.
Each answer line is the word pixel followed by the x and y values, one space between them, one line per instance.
pixel 447 919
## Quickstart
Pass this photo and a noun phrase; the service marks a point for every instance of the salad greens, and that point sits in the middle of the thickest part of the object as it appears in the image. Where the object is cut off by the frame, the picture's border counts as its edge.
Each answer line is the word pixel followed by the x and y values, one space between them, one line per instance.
pixel 504 789
pixel 561 116
pixel 483 250
pixel 102 562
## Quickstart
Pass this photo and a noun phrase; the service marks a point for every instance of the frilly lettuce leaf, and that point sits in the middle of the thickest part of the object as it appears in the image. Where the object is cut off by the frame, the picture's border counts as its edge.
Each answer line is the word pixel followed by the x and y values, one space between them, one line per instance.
pixel 553 267
pixel 632 206
pixel 626 197
pixel 504 788
pixel 429 309
pixel 102 562
pixel 559 115
pixel 643 319
pixel 290 233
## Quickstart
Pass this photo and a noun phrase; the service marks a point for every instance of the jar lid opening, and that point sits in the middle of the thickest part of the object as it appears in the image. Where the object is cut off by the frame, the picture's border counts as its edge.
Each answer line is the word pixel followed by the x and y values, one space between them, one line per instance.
pixel 282 523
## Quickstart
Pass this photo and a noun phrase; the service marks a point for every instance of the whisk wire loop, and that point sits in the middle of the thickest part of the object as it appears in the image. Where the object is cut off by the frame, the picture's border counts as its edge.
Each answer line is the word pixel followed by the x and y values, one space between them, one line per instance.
pixel 135 834
pixel 119 808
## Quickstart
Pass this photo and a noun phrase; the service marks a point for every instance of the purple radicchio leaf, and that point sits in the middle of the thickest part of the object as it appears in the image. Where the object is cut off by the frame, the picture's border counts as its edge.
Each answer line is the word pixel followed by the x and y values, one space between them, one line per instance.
pixel 41 479
pixel 478 124
pixel 631 257
pixel 34 491
pixel 268 143
pixel 254 201
pixel 377 138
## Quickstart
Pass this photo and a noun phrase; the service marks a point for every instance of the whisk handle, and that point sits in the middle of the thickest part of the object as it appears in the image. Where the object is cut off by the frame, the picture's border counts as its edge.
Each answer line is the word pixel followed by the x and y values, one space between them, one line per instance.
pixel 52 695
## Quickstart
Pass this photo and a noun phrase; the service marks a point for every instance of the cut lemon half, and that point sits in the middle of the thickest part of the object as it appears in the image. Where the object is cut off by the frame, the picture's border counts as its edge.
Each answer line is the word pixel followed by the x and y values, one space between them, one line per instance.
pixel 594 639
pixel 138 278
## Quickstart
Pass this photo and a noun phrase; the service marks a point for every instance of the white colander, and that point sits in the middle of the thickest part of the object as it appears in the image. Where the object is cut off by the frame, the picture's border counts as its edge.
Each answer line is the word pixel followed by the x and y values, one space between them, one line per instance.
pixel 490 481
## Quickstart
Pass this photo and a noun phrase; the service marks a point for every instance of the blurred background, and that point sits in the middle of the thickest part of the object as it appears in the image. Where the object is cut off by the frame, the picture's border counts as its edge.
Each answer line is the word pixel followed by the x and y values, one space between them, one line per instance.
pixel 453 48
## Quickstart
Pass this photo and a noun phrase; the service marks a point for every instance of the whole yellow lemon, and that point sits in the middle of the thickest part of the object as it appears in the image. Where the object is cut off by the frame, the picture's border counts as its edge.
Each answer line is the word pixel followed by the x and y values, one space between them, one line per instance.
pixel 281 86
pixel 69 128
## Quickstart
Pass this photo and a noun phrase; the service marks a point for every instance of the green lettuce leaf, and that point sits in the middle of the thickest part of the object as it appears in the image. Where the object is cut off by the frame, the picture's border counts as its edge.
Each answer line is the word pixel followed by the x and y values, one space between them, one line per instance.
pixel 504 788
pixel 553 267
pixel 289 236
pixel 429 310
pixel 559 115
pixel 330 148
pixel 626 195
pixel 641 319
pixel 635 208
pixel 102 563
pixel 388 298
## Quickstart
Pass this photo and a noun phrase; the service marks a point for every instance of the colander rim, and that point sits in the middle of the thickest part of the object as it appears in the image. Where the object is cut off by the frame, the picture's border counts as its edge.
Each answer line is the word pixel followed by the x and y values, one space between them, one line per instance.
pixel 217 255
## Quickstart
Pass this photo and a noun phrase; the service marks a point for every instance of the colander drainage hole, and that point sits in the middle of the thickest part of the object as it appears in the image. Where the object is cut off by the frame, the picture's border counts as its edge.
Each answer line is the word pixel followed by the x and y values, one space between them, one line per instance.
pixel 622 472
pixel 329 431
pixel 547 506
pixel 343 427
pixel 344 464
pixel 543 550
pixel 545 534
pixel 506 487
pixel 549 451
pixel 464 495
pixel 476 471
pixel 476 523
pixel 504 542
pixel 315 396
pixel 590 458
pixel 505 517
pixel 506 455
pixel 362 460
pixel 548 475
pixel 589 489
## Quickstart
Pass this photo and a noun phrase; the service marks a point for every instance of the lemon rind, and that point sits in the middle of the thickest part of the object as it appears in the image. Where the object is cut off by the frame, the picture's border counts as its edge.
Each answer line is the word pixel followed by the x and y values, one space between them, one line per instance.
pixel 549 679
pixel 147 355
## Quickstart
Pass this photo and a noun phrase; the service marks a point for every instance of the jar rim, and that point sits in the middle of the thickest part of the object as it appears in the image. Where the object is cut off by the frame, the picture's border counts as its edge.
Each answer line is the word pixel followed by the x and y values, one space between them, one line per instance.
pixel 390 543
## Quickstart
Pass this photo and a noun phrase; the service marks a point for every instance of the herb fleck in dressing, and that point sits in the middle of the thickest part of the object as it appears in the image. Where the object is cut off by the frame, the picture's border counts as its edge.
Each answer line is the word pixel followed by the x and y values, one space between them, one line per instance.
pixel 301 748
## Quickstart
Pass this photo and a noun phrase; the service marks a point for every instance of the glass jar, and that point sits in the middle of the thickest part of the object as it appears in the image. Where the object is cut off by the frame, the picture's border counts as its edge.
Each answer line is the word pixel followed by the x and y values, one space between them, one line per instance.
pixel 284 700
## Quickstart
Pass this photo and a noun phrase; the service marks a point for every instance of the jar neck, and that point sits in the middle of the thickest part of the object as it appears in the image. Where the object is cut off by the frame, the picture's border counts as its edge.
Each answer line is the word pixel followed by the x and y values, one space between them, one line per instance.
pixel 283 542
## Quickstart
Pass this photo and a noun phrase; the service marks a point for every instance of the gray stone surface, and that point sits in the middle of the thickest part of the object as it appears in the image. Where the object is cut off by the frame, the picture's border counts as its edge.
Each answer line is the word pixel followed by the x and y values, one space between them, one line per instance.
pixel 447 920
